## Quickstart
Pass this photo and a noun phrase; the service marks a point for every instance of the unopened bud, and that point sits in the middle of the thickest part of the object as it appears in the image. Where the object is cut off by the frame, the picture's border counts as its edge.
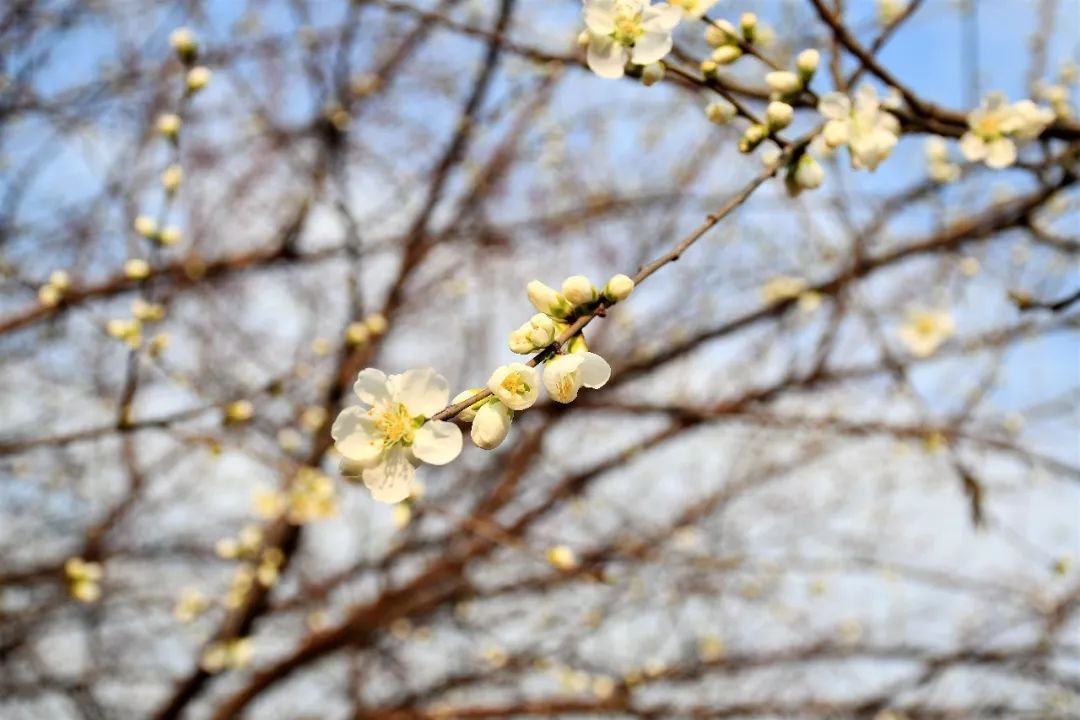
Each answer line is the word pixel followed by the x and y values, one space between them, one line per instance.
pixel 784 82
pixel 807 63
pixel 748 25
pixel 779 115
pixel 618 288
pixel 720 33
pixel 198 78
pixel 578 290
pixel 169 124
pixel 752 137
pixel 720 112
pixel 726 54
pixel 184 43
pixel 652 74
pixel 469 413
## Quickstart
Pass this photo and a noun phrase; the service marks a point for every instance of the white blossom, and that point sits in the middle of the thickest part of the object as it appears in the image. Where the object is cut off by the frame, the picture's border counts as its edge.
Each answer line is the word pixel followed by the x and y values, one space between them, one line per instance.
pixel 869 132
pixel 926 330
pixel 384 442
pixel 627 30
pixel 515 385
pixel 564 375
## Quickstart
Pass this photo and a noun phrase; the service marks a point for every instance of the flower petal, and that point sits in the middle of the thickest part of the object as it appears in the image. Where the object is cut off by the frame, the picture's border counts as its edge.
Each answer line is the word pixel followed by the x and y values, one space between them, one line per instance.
pixel 354 436
pixel 972 147
pixel 560 377
pixel 594 370
pixel 600 16
pixel 391 481
pixel 371 387
pixel 660 18
pixel 835 106
pixel 1000 153
pixel 491 425
pixel 437 442
pixel 651 46
pixel 606 57
pixel 422 390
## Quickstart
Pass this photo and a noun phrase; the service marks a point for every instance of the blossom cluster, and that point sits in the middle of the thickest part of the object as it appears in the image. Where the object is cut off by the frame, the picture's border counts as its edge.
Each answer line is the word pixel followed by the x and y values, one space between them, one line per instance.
pixel 396 430
pixel 995 128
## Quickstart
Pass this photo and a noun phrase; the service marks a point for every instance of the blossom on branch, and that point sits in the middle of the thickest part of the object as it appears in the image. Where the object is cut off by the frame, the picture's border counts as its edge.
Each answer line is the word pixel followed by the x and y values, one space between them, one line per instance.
pixel 627 30
pixel 383 443
pixel 869 132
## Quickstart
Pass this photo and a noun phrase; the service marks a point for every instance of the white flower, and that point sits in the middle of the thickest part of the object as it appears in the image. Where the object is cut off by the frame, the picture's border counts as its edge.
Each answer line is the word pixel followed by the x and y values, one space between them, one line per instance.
pixel 869 132
pixel 515 385
pixel 783 82
pixel 618 288
pixel 491 425
pixel 547 300
pixel 384 442
pixel 627 30
pixel 992 123
pixel 578 290
pixel 694 9
pixel 926 330
pixel 565 374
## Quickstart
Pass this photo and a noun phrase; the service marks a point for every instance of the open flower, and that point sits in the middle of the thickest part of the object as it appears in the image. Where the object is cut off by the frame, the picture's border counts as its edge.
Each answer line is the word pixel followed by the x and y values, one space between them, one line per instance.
pixel 622 30
pixel 869 132
pixel 564 375
pixel 384 442
pixel 515 385
pixel 987 137
pixel 926 330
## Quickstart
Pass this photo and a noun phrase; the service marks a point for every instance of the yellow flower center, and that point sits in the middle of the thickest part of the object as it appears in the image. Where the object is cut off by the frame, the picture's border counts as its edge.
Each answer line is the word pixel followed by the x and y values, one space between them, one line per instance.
pixel 989 126
pixel 628 26
pixel 395 424
pixel 514 385
pixel 925 325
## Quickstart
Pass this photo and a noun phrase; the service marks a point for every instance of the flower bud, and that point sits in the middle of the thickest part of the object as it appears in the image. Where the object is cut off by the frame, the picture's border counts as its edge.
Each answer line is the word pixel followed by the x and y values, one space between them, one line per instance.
pixel 807 63
pixel 721 33
pixel 145 226
pixel 748 25
pixel 547 300
pixel 170 235
pixel 468 413
pixel 808 172
pixel 618 288
pixel 784 82
pixel 137 269
pixel 168 124
pixel 578 290
pixel 521 341
pixel 720 112
pixel 752 137
pixel 357 333
pixel 60 280
pixel 779 115
pixel 491 425
pixel 583 38
pixel 708 68
pixel 184 43
pixel 171 178
pixel 198 78
pixel 577 344
pixel 652 74
pixel 376 323
pixel 726 54
pixel 542 330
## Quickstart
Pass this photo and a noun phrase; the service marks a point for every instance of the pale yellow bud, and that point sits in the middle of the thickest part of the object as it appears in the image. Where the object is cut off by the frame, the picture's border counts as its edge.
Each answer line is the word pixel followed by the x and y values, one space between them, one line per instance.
pixel 652 74
pixel 376 323
pixel 720 112
pixel 561 557
pixel 170 235
pixel 60 280
pixel 239 411
pixel 725 55
pixel 137 269
pixel 618 288
pixel 184 43
pixel 145 226
pixel 168 124
pixel 779 115
pixel 198 78
pixel 171 178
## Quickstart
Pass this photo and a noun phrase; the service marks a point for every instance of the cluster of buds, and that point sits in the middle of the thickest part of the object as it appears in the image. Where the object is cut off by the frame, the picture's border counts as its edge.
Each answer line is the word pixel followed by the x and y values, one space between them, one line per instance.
pixel 358 333
pixel 726 42
pixel 147 227
pixel 186 46
pixel 51 293
pixel 83 579
pixel 516 386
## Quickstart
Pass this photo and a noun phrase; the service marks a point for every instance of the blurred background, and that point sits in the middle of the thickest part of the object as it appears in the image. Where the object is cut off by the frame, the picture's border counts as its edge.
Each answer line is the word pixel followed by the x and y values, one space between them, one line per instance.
pixel 780 505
